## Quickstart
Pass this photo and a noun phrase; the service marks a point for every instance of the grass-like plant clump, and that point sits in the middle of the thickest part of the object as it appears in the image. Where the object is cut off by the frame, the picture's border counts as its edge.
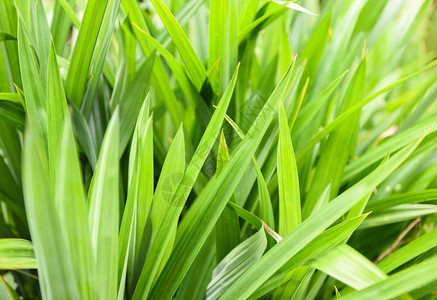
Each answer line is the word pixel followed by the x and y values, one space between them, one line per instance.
pixel 232 149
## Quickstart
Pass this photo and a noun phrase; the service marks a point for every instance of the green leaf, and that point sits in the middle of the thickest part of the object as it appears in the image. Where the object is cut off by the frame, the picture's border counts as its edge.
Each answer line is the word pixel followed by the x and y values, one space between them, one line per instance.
pixel 103 205
pixel 235 263
pixel 409 251
pixel 99 55
pixel 8 23
pixel 70 12
pixel 402 198
pixel 63 16
pixel 10 143
pixel 171 175
pixel 266 210
pixel 349 266
pixel 392 144
pixel 83 135
pixel 140 194
pixel 309 111
pixel 43 42
pixel 223 36
pixel 10 286
pixel 183 15
pixel 159 78
pixel 195 165
pixel 399 283
pixel 13 115
pixel 288 181
pixel 348 113
pixel 132 100
pixel 215 200
pixel 56 110
pixel 35 102
pixel 310 228
pixel 54 270
pixel 85 45
pixel 195 282
pixel 398 213
pixel 192 63
pixel 323 242
pixel 16 254
pixel 70 202
pixel 335 152
pixel 178 71
pixel 227 228
pixel 4 36
pixel 12 97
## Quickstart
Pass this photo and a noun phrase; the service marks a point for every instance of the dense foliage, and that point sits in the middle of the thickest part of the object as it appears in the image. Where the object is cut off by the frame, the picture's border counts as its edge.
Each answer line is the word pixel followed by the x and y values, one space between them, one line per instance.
pixel 228 149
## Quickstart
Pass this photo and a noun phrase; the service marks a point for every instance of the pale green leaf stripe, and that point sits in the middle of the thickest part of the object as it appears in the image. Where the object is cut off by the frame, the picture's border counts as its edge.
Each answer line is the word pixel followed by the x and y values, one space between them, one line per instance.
pixel 288 181
pixel 323 242
pixel 12 97
pixel 310 228
pixel 16 254
pixel 54 270
pixel 349 266
pixel 236 263
pixel 192 63
pixel 104 211
pixel 192 172
pixel 70 200
pixel 399 283
pixel 348 113
pixel 215 201
pixel 78 72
